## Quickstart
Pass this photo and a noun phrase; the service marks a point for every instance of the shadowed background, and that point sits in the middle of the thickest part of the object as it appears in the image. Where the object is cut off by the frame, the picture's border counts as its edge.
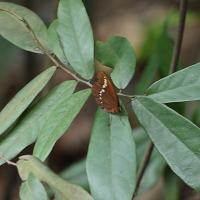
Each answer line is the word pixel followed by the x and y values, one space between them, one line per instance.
pixel 127 18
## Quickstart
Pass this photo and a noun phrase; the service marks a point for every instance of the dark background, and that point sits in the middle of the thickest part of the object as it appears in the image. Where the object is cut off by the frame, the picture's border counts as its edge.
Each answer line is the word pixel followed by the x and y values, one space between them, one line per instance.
pixel 127 18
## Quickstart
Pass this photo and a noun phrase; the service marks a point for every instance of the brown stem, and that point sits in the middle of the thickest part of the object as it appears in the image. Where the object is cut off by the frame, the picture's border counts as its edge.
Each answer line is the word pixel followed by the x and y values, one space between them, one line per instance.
pixel 143 166
pixel 177 46
pixel 8 161
pixel 173 68
pixel 42 48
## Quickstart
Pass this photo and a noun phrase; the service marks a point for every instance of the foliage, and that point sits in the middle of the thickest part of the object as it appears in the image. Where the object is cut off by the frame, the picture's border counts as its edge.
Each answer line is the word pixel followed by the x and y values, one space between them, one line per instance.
pixel 115 150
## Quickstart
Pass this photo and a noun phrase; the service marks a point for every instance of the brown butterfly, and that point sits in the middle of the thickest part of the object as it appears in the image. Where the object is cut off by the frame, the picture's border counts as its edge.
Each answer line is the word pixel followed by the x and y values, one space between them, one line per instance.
pixel 105 94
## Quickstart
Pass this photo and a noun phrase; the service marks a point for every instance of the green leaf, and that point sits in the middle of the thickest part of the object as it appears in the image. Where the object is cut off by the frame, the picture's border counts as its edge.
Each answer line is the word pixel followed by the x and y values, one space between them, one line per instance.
pixel 76 173
pixel 58 122
pixel 171 185
pixel 155 165
pixel 175 137
pixel 164 49
pixel 16 32
pixel 63 189
pixel 183 85
pixel 179 107
pixel 55 44
pixel 32 189
pixel 23 98
pixel 111 160
pixel 75 32
pixel 118 54
pixel 32 122
pixel 196 116
pixel 148 74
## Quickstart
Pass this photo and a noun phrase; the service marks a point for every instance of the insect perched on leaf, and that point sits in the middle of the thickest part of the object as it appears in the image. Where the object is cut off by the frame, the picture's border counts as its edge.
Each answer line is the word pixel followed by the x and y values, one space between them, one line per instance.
pixel 105 94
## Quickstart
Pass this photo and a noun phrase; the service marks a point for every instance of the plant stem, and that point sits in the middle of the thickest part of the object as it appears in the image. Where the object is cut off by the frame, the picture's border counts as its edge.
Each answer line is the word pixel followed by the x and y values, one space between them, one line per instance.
pixel 143 165
pixel 8 161
pixel 177 46
pixel 44 50
pixel 173 68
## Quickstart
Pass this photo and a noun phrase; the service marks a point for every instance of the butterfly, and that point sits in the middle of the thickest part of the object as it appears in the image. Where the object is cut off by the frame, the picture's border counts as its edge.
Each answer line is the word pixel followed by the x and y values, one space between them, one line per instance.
pixel 105 94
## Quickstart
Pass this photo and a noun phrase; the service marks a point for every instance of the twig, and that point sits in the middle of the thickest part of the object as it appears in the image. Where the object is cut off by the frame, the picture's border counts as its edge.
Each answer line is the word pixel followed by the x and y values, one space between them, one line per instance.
pixel 8 161
pixel 173 68
pixel 143 166
pixel 42 48
pixel 177 46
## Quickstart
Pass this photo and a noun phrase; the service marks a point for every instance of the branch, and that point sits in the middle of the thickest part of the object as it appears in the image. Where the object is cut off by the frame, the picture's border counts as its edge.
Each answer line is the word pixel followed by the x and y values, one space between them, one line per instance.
pixel 8 161
pixel 143 166
pixel 173 68
pixel 44 50
pixel 177 46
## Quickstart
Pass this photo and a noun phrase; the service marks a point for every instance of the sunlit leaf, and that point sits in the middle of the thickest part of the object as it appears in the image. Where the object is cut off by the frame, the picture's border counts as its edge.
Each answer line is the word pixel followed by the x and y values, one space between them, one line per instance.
pixel 63 189
pixel 32 189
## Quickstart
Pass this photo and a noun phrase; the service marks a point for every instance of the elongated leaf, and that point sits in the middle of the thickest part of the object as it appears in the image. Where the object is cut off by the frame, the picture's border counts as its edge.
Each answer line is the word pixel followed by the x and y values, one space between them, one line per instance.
pixel 58 122
pixel 155 165
pixel 31 124
pixel 63 189
pixel 15 31
pixel 175 137
pixel 54 42
pixel 76 173
pixel 32 189
pixel 111 160
pixel 196 116
pixel 171 189
pixel 23 98
pixel 164 48
pixel 183 85
pixel 118 54
pixel 148 74
pixel 76 36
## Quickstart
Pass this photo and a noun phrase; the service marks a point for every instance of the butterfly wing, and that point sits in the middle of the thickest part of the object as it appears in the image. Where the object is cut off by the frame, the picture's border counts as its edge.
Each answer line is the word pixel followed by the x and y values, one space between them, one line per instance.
pixel 105 94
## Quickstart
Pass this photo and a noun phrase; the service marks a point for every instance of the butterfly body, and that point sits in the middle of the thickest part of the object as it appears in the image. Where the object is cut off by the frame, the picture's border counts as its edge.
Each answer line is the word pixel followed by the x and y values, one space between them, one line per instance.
pixel 105 94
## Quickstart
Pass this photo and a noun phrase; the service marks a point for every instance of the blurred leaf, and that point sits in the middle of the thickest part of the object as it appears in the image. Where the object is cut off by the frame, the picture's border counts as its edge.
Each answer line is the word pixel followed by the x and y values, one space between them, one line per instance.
pixel 164 49
pixel 16 32
pixel 58 122
pixel 111 159
pixel 75 32
pixel 63 189
pixel 23 98
pixel 76 173
pixel 196 116
pixel 32 189
pixel 55 44
pixel 118 54
pixel 148 74
pixel 175 137
pixel 33 120
pixel 183 85
pixel 156 163
pixel 179 107
pixel 171 186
